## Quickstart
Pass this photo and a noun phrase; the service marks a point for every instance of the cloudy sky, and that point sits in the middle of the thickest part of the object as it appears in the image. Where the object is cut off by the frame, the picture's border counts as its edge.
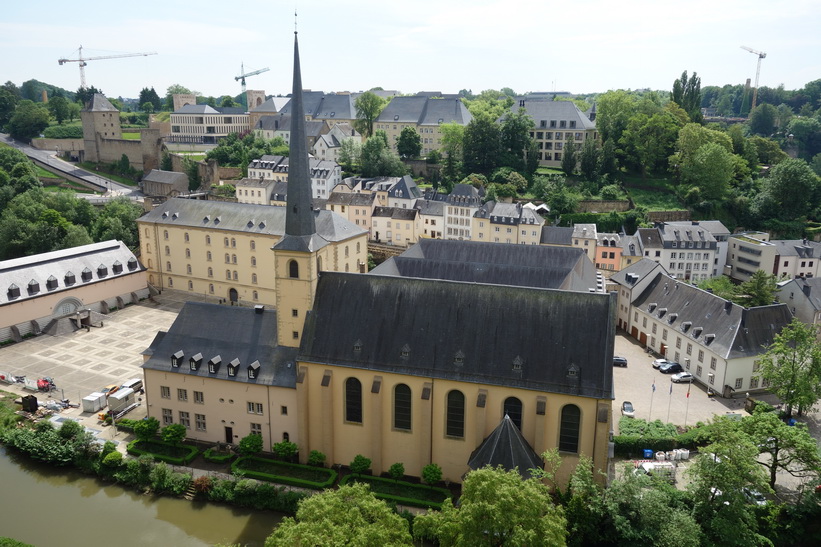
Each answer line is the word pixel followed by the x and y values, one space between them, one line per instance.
pixel 580 46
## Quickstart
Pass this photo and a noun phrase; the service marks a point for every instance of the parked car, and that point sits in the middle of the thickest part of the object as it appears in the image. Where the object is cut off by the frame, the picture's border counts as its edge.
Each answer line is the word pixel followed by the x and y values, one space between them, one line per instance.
pixel 627 409
pixel 658 362
pixel 680 377
pixel 754 496
pixel 670 368
pixel 619 361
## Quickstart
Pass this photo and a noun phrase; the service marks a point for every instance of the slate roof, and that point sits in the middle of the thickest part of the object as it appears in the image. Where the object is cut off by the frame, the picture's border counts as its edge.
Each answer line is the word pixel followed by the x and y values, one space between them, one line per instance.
pixel 245 217
pixel 229 332
pixel 280 164
pixel 166 177
pixel 650 237
pixel 430 208
pixel 715 227
pixel 634 272
pixel 509 214
pixel 797 247
pixel 397 213
pixel 553 110
pixel 464 194
pixel 425 111
pixel 273 123
pixel 348 198
pixel 687 232
pixel 205 109
pixel 507 447
pixel 330 106
pixel 269 105
pixel 698 315
pixel 253 183
pixel 99 103
pixel 809 287
pixel 405 188
pixel 557 235
pixel 585 231
pixel 631 246
pixel 495 263
pixel 47 273
pixel 487 334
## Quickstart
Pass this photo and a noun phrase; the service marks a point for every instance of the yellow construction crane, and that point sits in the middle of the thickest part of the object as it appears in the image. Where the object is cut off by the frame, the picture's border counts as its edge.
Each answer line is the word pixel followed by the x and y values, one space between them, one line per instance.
pixel 82 61
pixel 761 55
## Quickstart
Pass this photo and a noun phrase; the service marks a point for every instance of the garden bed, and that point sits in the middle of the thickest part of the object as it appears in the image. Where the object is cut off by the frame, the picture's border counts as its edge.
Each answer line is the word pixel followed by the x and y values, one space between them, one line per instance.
pixel 211 455
pixel 293 474
pixel 401 492
pixel 175 454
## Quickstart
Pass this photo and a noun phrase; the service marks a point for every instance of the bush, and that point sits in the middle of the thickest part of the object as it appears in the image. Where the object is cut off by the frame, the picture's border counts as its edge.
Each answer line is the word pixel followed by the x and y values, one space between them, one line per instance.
pixel 145 429
pixel 175 454
pixel 286 450
pixel 316 458
pixel 397 471
pixel 360 464
pixel 63 132
pixel 404 493
pixel 250 445
pixel 173 434
pixel 639 427
pixel 203 484
pixel 293 474
pixel 610 192
pixel 70 429
pixel 431 473
pixel 113 459
pixel 213 456
pixel 633 446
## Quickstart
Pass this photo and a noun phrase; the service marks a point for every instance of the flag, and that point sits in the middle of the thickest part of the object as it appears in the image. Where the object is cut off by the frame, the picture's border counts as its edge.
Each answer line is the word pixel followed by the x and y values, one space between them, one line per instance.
pixel 671 388
pixel 654 386
pixel 688 390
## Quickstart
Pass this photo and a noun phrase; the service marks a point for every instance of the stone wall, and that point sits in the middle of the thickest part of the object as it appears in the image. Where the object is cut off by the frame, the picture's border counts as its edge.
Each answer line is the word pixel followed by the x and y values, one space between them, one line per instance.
pixel 668 216
pixel 64 145
pixel 603 206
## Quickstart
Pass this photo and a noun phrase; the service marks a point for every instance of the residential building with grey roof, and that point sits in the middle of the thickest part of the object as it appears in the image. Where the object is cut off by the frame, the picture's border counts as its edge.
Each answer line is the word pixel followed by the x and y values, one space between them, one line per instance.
pixel 424 115
pixel 558 124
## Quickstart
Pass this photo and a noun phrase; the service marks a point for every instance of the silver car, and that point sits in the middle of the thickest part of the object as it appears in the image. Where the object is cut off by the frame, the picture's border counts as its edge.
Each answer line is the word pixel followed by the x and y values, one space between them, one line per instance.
pixel 681 377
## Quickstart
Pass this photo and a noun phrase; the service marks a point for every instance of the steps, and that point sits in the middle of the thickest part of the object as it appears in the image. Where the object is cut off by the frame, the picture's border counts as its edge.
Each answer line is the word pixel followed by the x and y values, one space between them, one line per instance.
pixel 191 493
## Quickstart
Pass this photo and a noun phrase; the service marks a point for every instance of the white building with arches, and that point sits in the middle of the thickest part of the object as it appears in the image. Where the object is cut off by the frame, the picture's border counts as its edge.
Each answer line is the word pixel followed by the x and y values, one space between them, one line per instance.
pixel 40 289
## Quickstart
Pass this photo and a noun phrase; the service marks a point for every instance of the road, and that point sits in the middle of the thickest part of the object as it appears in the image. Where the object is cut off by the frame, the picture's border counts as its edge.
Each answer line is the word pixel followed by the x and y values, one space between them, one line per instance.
pixel 110 187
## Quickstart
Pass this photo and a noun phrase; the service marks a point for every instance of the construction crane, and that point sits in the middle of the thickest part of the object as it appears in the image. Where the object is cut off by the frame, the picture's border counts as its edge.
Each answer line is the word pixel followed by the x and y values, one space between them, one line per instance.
pixel 82 61
pixel 244 75
pixel 761 55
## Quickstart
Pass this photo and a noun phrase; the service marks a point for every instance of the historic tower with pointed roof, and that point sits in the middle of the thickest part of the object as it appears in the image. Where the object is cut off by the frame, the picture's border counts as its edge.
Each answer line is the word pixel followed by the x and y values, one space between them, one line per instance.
pixel 296 258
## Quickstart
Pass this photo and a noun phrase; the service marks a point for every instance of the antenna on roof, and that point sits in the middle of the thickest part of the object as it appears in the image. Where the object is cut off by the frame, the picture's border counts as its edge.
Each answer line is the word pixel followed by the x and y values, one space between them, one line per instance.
pixel 295 29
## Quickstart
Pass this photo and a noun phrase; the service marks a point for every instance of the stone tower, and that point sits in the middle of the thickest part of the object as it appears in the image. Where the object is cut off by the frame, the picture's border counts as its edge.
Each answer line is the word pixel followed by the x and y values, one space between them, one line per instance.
pixel 100 121
pixel 254 98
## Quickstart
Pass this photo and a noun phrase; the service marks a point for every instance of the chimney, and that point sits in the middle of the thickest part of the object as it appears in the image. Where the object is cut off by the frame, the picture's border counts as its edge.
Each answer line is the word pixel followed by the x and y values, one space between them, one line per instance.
pixel 806 289
pixel 259 308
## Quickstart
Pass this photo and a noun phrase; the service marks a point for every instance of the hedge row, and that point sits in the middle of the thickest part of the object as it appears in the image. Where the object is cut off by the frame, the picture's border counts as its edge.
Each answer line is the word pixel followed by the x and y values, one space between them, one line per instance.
pixel 63 132
pixel 236 467
pixel 413 502
pixel 216 457
pixel 184 460
pixel 633 445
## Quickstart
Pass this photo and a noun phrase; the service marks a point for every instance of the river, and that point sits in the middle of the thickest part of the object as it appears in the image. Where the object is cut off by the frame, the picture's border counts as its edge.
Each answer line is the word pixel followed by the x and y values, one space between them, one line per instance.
pixel 46 506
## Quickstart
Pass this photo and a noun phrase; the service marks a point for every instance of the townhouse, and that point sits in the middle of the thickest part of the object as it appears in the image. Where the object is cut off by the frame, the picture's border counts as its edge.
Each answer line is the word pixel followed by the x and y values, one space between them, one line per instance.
pixel 507 223
pixel 557 124
pixel 325 175
pixel 688 252
pixel 425 115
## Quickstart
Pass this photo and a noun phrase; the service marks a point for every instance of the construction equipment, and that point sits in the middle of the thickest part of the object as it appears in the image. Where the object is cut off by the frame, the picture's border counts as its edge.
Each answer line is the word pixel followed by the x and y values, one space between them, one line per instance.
pixel 244 75
pixel 82 61
pixel 761 55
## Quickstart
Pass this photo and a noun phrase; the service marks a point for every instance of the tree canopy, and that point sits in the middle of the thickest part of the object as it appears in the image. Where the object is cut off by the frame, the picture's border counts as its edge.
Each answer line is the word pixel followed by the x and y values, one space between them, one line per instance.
pixel 792 366
pixel 368 107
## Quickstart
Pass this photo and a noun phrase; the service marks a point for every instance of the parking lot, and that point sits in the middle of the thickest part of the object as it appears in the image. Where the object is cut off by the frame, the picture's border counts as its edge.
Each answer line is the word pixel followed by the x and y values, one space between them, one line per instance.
pixel 635 382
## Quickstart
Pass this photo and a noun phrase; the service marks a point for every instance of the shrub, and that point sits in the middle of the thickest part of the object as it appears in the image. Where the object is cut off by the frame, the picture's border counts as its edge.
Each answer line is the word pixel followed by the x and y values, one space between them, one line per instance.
pixel 250 445
pixel 360 464
pixel 213 456
pixel 173 434
pixel 397 471
pixel 610 192
pixel 63 132
pixel 70 429
pixel 146 429
pixel 285 450
pixel 316 458
pixel 431 474
pixel 107 449
pixel 172 453
pixel 113 459
pixel 203 484
pixel 293 474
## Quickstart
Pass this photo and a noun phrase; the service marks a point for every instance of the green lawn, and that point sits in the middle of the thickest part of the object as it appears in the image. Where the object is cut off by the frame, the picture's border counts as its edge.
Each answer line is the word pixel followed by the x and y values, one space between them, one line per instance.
pixel 655 194
pixel 131 136
pixel 272 467
pixel 401 491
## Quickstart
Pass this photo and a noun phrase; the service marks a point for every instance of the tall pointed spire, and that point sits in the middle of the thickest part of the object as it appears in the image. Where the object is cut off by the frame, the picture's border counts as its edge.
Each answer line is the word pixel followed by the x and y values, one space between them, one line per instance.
pixel 299 220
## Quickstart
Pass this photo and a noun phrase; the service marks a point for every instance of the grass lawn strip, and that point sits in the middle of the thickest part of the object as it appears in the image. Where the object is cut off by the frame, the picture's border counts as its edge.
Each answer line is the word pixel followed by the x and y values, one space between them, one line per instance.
pixel 403 492
pixel 285 473
pixel 180 455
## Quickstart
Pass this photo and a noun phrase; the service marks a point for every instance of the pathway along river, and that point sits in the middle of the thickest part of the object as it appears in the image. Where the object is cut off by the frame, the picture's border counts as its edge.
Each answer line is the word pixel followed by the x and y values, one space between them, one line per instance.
pixel 46 506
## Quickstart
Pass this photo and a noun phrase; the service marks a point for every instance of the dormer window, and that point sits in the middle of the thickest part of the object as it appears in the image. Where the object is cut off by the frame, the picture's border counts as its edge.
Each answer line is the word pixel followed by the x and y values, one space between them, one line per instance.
pixel 697 332
pixel 132 264
pixel 357 346
pixel 652 307
pixel 233 366
pixel 662 311
pixel 51 283
pixel 517 363
pixel 573 372
pixel 13 292
pixel 686 325
pixel 253 370
pixel 405 351
pixel 708 338
pixel 33 287
pixel 117 267
pixel 86 275
pixel 102 271
pixel 69 279
pixel 214 364
pixel 195 362
pixel 177 358
pixel 671 319
pixel 459 359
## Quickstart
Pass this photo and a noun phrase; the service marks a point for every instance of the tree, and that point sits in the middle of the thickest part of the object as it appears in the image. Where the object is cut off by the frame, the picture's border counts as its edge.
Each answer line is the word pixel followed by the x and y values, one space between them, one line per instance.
pixel 431 474
pixel 250 445
pixel 378 160
pixel 794 187
pixel 368 107
pixel 228 102
pixel 396 471
pixel 762 120
pixel 173 433
pixel 589 160
pixel 85 94
pixel 720 286
pixel 569 158
pixel 28 121
pixel 497 507
pixel 409 144
pixel 176 89
pixel 687 94
pixel 350 515
pixel 8 102
pixel 350 153
pixel 806 132
pixel 515 140
pixel 608 158
pixel 453 135
pixel 792 366
pixel 648 141
pixel 58 106
pixel 285 450
pixel 613 112
pixel 710 169
pixel 759 290
pixel 789 449
pixel 360 464
pixel 481 145
pixel 146 429
pixel 149 96
pixel 517 181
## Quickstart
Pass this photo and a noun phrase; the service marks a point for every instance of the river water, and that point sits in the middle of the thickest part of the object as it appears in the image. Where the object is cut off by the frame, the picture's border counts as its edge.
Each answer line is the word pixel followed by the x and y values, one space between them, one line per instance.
pixel 46 506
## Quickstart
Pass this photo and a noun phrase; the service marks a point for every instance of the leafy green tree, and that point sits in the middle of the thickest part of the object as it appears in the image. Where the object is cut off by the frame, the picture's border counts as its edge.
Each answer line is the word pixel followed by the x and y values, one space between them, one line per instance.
pixel 516 142
pixel 481 145
pixel 396 471
pixel 8 102
pixel 85 94
pixel 648 141
pixel 73 111
pixel 173 433
pixel 687 94
pixel 377 159
pixel 610 192
pixel 149 96
pixel 613 112
pixel 349 515
pixel 409 144
pixel 28 121
pixel 816 164
pixel 491 103
pixel 147 107
pixel 360 464
pixel 517 181
pixel 794 188
pixel 759 290
pixel 789 449
pixel 767 150
pixel 250 445
pixel 792 366
pixel 58 106
pixel 721 286
pixel 368 107
pixel 590 160
pixel 609 167
pixel 316 458
pixel 146 429
pixel 711 169
pixel 285 450
pixel 117 220
pixel 350 153
pixel 431 474
pixel 228 102
pixel 497 507
pixel 806 132
pixel 569 158
pixel 175 89
pixel 762 120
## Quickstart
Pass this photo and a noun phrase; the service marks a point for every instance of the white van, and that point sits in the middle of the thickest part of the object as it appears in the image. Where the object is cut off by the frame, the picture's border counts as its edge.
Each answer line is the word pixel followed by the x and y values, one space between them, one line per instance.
pixel 135 383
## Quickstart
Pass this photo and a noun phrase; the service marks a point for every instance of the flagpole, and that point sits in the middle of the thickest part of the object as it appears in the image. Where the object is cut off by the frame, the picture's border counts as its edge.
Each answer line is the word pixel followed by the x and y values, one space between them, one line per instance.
pixel 687 407
pixel 669 400
pixel 650 414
